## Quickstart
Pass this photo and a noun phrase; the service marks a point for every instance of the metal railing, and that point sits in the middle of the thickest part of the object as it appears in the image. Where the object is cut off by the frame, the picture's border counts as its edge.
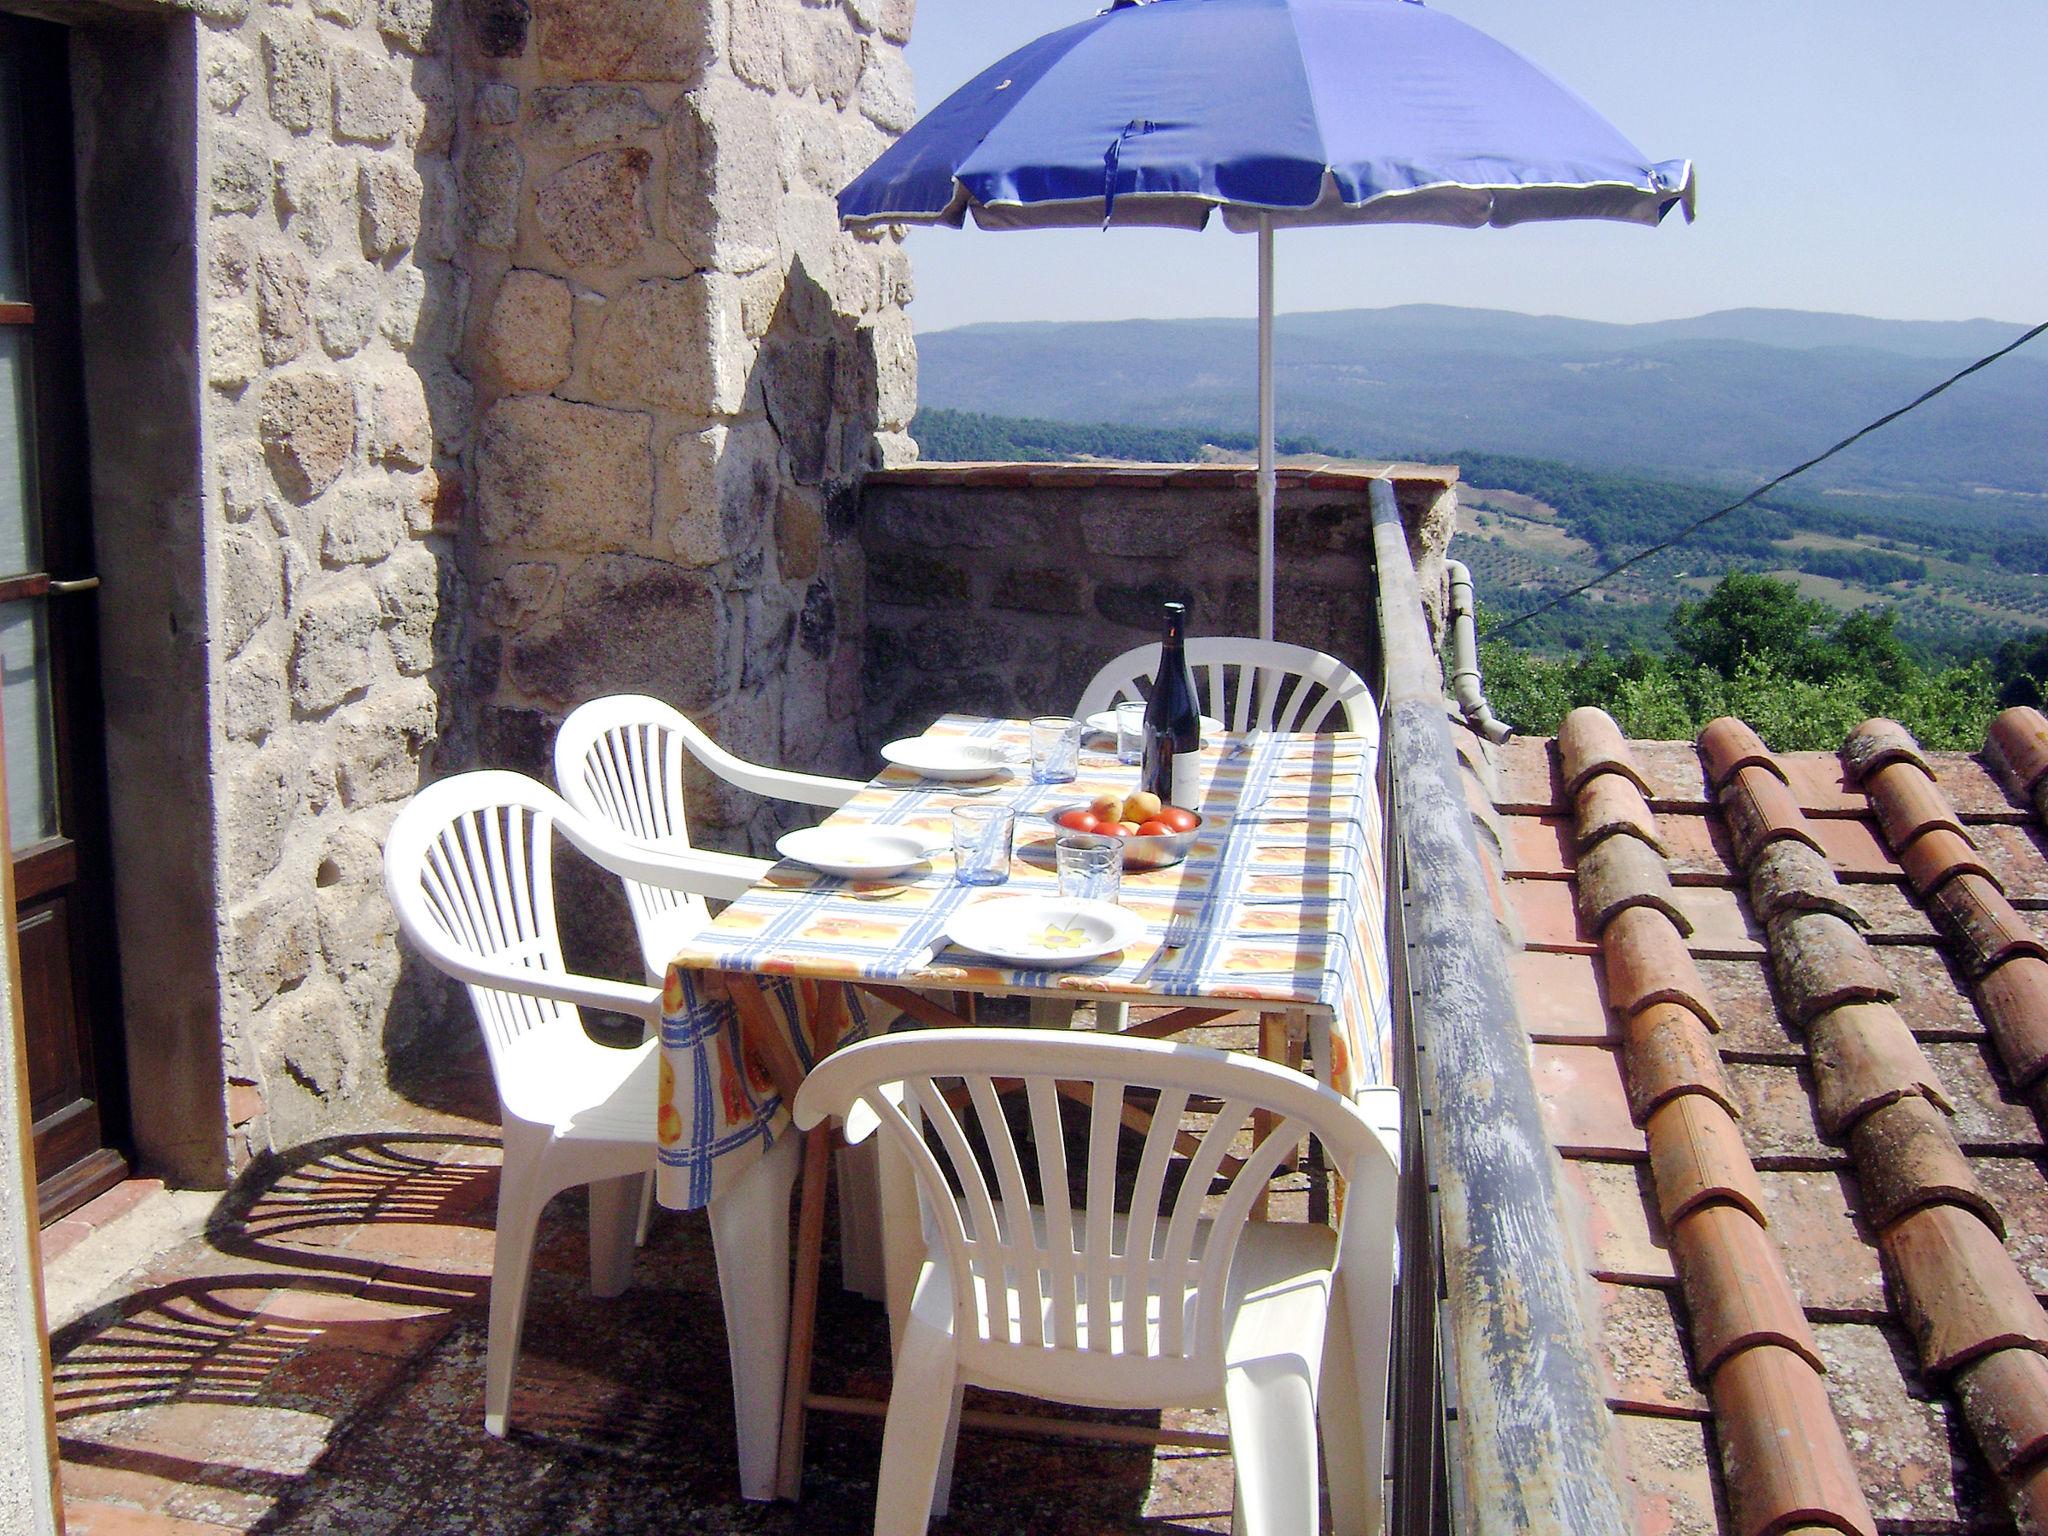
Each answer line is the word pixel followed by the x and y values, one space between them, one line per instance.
pixel 1489 1302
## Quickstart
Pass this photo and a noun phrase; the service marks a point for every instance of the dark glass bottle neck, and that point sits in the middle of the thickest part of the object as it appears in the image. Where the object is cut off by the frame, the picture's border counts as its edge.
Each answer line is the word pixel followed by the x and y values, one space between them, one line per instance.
pixel 1176 626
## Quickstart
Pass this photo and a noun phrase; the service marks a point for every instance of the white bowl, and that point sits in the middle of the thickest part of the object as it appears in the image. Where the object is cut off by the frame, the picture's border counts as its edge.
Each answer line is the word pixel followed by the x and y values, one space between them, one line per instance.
pixel 948 757
pixel 1043 932
pixel 857 853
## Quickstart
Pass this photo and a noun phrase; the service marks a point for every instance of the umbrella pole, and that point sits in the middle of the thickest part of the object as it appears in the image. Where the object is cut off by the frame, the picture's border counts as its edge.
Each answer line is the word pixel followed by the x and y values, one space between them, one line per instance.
pixel 1267 488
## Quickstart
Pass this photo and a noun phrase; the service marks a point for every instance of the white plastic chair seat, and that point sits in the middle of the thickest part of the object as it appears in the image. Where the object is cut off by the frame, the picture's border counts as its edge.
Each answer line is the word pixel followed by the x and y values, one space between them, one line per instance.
pixel 1249 685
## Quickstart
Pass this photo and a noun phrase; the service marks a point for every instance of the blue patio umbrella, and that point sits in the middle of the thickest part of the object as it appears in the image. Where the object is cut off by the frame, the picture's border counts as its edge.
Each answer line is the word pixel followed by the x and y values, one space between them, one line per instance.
pixel 1276 113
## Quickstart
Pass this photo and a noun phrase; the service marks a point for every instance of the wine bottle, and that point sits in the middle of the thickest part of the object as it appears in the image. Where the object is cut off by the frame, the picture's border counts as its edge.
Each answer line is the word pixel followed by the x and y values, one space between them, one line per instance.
pixel 1173 723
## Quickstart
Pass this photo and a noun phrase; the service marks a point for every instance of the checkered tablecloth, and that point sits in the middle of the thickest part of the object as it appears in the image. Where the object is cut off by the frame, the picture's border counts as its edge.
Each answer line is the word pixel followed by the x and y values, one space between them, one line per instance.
pixel 1285 884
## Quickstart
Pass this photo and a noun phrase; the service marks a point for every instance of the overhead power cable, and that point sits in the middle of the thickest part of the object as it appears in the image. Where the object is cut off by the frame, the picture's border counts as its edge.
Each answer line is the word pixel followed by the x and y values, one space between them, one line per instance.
pixel 1769 485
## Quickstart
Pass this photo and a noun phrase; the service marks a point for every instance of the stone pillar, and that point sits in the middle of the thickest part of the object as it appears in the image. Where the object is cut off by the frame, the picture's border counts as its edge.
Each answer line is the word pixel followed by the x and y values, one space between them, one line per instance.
pixel 682 366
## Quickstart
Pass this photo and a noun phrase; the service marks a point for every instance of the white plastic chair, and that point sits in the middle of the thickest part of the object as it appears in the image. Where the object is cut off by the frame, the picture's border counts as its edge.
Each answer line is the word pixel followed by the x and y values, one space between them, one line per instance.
pixel 1158 1305
pixel 619 760
pixel 468 866
pixel 1263 685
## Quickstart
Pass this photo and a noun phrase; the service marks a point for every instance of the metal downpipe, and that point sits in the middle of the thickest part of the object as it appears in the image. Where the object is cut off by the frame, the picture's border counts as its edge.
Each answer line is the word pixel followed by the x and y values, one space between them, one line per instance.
pixel 1467 691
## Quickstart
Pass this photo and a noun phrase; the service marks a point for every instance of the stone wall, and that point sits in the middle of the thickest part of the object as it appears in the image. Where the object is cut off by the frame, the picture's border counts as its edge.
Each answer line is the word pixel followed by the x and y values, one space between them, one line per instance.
pixel 681 366
pixel 1001 589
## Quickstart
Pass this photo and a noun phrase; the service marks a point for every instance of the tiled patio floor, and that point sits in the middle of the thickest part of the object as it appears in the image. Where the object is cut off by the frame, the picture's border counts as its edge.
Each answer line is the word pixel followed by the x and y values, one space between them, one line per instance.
pixel 314 1363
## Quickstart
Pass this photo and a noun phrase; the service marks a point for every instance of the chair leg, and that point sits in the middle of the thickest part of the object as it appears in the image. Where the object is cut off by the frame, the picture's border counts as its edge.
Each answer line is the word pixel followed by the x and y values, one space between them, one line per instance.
pixel 521 1198
pixel 750 1239
pixel 924 1406
pixel 646 1211
pixel 1354 1502
pixel 1273 1444
pixel 614 1214
pixel 1052 1012
pixel 1112 1018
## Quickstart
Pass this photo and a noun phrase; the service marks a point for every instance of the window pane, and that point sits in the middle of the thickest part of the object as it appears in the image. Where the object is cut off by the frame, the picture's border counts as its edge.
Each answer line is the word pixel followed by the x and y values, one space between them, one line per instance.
pixel 13 278
pixel 21 544
pixel 25 702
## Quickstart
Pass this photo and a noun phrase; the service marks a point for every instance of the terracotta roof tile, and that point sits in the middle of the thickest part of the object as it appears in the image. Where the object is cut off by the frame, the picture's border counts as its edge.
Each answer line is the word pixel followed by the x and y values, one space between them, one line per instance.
pixel 1789 876
pixel 2030 1499
pixel 1976 792
pixel 1548 916
pixel 1821 785
pixel 1821 962
pixel 1988 1117
pixel 1751 1028
pixel 1879 741
pixel 1727 744
pixel 1536 846
pixel 1760 809
pixel 1933 996
pixel 1561 996
pixel 1908 803
pixel 1643 1351
pixel 2017 746
pixel 2006 1397
pixel 2018 1186
pixel 1646 961
pixel 1937 855
pixel 1989 928
pixel 1620 873
pixel 2013 998
pixel 1589 742
pixel 1736 1293
pixel 1722 924
pixel 1779 1124
pixel 1669 1052
pixel 1831 1259
pixel 1697 1156
pixel 1959 1294
pixel 1852 847
pixel 1527 772
pixel 1619 1211
pixel 1610 804
pixel 1698 848
pixel 1865 1057
pixel 2018 857
pixel 1584 1104
pixel 1675 779
pixel 1670 1468
pixel 1890 915
pixel 1907 1157
pixel 1906 1448
pixel 1780 1466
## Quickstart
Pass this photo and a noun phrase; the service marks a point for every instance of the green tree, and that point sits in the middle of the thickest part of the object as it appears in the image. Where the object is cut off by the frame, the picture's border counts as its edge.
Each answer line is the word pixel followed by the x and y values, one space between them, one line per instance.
pixel 1749 615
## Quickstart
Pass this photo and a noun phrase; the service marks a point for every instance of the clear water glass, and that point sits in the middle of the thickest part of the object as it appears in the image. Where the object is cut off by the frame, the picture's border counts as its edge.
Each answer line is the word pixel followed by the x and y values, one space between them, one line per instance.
pixel 1091 866
pixel 1055 750
pixel 1130 732
pixel 982 839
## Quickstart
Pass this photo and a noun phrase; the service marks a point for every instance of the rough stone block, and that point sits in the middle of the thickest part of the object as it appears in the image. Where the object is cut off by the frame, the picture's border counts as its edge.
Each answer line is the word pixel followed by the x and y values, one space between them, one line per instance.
pixel 241 174
pixel 593 211
pixel 525 341
pixel 317 187
pixel 656 346
pixel 308 429
pixel 918 580
pixel 226 72
pixel 295 64
pixel 491 173
pixel 347 13
pixel 369 98
pixel 364 523
pixel 399 316
pixel 281 292
pixel 754 48
pixel 725 178
pixel 799 533
pixel 888 97
pixel 628 625
pixel 408 592
pixel 408 23
pixel 497 103
pixel 331 657
pixel 646 40
pixel 401 429
pixel 239 473
pixel 589 116
pixel 389 193
pixel 526 591
pixel 565 476
pixel 234 355
pixel 345 309
pixel 252 583
pixel 252 693
pixel 897 17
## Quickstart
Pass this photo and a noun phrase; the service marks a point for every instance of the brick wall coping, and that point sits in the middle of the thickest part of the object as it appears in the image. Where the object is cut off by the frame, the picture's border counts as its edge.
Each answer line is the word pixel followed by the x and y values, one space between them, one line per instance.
pixel 1159 476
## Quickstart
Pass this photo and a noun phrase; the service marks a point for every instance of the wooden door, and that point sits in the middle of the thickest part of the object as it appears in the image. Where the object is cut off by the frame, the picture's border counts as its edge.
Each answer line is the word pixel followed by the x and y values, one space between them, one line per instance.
pixel 49 662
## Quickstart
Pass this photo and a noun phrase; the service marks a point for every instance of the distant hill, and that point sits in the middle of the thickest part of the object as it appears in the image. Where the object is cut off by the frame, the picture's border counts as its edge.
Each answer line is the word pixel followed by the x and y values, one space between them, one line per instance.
pixel 1728 397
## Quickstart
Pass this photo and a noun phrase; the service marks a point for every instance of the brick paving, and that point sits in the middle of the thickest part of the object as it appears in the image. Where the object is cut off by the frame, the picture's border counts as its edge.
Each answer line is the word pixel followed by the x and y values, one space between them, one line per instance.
pixel 314 1363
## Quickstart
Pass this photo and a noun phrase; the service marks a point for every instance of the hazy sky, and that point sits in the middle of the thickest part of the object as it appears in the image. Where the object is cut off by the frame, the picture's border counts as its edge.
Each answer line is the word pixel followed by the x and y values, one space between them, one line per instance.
pixel 1881 157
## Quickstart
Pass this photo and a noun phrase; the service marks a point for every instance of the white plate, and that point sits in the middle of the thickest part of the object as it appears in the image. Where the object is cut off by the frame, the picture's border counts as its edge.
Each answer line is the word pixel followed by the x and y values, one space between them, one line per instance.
pixel 948 757
pixel 1043 932
pixel 858 853
pixel 1104 724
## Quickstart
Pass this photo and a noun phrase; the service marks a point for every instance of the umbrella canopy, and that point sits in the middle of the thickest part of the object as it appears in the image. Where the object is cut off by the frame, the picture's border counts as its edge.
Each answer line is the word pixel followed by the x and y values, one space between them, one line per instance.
pixel 1276 112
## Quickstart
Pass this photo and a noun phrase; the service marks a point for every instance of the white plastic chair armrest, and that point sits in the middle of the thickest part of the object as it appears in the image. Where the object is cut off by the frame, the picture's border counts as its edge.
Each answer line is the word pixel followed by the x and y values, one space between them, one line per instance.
pixel 557 986
pixel 700 871
pixel 774 783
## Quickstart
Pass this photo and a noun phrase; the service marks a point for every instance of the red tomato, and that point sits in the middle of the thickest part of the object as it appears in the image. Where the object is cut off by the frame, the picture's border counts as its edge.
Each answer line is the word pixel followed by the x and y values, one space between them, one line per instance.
pixel 1125 829
pixel 1155 827
pixel 1178 819
pixel 1080 819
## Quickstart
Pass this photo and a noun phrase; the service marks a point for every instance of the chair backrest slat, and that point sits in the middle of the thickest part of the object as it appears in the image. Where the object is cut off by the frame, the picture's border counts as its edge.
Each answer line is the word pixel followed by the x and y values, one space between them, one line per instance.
pixel 1020 1271
pixel 985 1243
pixel 1099 1270
pixel 1048 1139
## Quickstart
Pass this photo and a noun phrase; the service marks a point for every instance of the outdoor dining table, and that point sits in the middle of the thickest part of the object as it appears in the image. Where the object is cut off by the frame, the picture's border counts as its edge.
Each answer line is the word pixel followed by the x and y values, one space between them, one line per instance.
pixel 1282 908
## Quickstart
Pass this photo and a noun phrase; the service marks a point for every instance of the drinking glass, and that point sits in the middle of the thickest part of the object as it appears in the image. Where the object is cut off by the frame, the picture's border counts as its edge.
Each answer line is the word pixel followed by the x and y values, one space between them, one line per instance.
pixel 1091 866
pixel 1055 750
pixel 982 838
pixel 1130 731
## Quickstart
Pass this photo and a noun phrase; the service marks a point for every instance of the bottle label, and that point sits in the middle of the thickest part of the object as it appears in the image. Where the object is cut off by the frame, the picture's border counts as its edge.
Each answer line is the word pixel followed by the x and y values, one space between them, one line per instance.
pixel 1187 777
